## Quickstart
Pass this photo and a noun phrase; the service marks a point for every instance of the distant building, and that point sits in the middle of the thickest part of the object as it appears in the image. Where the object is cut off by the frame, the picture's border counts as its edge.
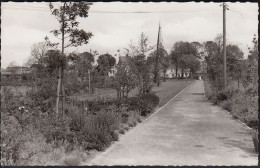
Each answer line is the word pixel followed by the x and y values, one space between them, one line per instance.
pixel 112 72
pixel 171 72
pixel 14 72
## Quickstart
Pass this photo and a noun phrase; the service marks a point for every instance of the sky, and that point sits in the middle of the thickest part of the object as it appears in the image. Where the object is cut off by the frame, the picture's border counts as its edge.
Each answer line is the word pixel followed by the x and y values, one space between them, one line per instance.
pixel 26 23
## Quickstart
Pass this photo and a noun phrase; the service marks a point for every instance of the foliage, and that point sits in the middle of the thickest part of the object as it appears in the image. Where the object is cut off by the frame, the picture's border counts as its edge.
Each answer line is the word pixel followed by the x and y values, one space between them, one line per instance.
pixel 163 59
pixel 122 131
pixel 185 55
pixel 214 58
pixel 124 80
pixel 151 98
pixel 66 15
pixel 38 51
pixel 105 63
pixel 144 104
pixel 243 105
pixel 139 65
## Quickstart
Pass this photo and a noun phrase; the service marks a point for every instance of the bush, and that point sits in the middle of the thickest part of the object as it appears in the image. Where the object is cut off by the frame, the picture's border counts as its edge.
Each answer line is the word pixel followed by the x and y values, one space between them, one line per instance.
pixel 151 98
pixel 98 129
pixel 75 158
pixel 98 105
pixel 144 104
pixel 122 131
pixel 124 117
pixel 130 124
pixel 139 119
pixel 226 105
pixel 115 135
pixel 126 128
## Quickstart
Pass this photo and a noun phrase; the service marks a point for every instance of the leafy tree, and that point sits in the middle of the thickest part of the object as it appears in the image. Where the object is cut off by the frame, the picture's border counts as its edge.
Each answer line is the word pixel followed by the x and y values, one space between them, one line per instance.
pixel 139 63
pixel 164 62
pixel 38 51
pixel 214 58
pixel 252 66
pixel 141 48
pixel 105 63
pixel 124 80
pixel 185 55
pixel 176 55
pixel 234 54
pixel 67 15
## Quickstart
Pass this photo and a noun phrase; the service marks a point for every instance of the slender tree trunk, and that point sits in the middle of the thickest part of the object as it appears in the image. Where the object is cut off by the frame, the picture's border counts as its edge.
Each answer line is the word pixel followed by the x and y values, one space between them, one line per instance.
pixel 61 70
pixel 176 72
pixel 58 91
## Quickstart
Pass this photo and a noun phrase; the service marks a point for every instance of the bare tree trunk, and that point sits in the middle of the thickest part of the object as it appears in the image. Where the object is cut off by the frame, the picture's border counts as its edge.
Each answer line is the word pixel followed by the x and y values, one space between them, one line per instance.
pixel 176 72
pixel 61 68
pixel 58 91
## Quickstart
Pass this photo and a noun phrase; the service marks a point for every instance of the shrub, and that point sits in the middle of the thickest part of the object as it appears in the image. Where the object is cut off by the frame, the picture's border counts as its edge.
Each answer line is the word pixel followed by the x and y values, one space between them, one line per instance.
pixel 98 130
pixel 151 98
pixel 122 131
pixel 126 128
pixel 130 124
pixel 145 107
pixel 98 105
pixel 226 105
pixel 139 119
pixel 75 158
pixel 144 104
pixel 115 135
pixel 134 123
pixel 124 117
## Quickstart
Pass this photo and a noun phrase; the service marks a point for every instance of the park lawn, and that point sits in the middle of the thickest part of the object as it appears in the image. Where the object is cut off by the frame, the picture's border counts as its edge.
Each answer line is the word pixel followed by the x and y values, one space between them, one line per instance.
pixel 165 91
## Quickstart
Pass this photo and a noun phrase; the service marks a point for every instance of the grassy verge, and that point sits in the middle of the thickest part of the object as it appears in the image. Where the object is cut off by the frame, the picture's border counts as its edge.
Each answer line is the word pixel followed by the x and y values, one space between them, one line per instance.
pixel 241 104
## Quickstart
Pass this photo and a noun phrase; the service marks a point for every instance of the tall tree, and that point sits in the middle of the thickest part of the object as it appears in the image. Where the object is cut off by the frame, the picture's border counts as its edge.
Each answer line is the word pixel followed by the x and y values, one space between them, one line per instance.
pixel 176 55
pixel 38 51
pixel 140 66
pixel 163 62
pixel 184 54
pixel 105 64
pixel 67 15
pixel 213 51
pixel 252 65
pixel 125 79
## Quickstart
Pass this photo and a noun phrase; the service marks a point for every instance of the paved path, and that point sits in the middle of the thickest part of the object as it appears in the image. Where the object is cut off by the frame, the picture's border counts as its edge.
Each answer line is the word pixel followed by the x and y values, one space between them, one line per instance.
pixel 188 130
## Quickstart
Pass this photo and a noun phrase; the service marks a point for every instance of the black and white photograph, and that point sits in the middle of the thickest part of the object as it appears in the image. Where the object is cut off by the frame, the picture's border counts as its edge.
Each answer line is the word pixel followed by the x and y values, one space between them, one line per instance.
pixel 129 83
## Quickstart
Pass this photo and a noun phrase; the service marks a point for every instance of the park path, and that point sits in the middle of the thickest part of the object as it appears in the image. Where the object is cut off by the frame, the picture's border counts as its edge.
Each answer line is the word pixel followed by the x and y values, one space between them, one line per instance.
pixel 188 130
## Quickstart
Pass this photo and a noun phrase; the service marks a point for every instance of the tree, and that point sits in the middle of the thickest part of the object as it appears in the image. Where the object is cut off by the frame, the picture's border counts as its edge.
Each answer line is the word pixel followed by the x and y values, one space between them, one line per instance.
pixel 66 15
pixel 124 80
pixel 38 51
pixel 105 63
pixel 234 54
pixel 164 62
pixel 176 55
pixel 185 55
pixel 213 51
pixel 139 63
pixel 252 66
pixel 141 48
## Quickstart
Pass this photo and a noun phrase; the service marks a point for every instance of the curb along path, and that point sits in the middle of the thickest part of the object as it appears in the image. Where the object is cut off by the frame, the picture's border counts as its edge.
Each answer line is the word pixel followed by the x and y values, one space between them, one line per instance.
pixel 188 130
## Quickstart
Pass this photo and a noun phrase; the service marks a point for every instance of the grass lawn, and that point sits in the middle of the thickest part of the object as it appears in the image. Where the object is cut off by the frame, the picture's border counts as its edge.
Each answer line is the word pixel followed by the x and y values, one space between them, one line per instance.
pixel 165 91
pixel 169 89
